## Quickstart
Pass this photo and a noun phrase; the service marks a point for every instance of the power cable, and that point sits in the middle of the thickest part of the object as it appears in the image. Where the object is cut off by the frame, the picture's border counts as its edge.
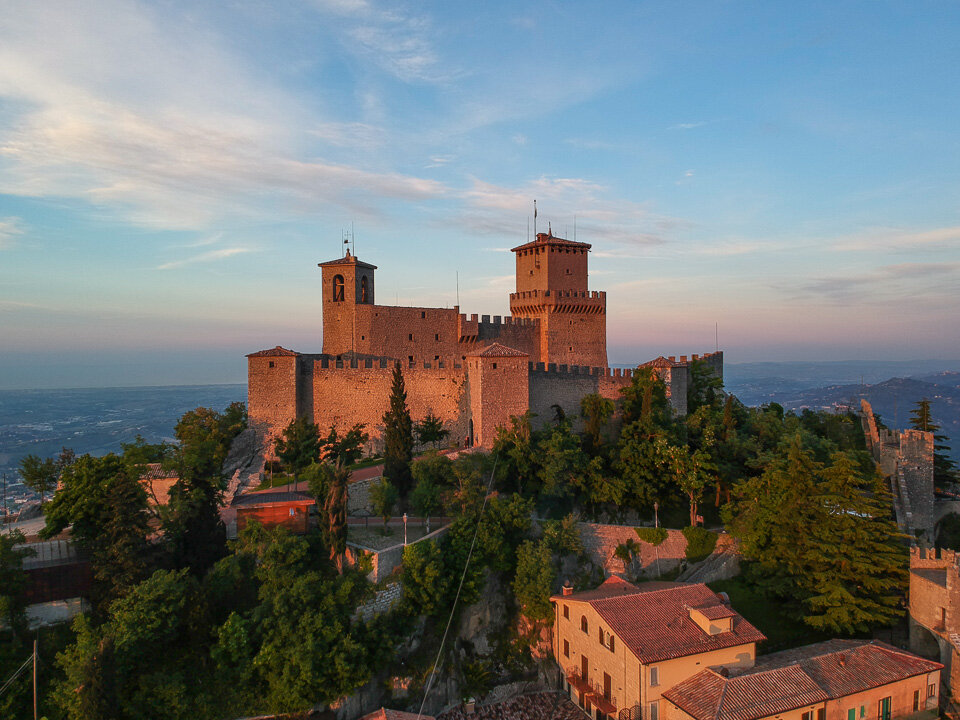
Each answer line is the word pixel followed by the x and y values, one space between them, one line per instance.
pixel 476 532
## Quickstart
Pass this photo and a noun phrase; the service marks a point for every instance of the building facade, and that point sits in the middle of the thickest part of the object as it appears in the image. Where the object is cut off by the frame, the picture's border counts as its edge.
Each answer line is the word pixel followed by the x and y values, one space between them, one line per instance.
pixel 473 372
pixel 621 645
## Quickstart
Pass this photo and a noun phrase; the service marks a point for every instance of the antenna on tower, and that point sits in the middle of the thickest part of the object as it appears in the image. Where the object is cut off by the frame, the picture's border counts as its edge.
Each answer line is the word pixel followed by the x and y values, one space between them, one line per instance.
pixel 458 288
pixel 534 219
pixel 716 336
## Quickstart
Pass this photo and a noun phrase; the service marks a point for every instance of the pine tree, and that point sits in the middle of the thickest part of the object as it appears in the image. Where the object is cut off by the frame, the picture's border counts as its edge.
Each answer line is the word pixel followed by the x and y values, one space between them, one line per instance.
pixel 398 436
pixel 944 468
pixel 335 532
pixel 857 564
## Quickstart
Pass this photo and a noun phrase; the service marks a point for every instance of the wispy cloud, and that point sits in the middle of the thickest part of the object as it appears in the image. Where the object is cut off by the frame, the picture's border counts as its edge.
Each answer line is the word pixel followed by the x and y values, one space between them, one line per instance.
pixel 929 284
pixel 209 256
pixel 689 125
pixel 898 239
pixel 172 140
pixel 9 229
pixel 587 206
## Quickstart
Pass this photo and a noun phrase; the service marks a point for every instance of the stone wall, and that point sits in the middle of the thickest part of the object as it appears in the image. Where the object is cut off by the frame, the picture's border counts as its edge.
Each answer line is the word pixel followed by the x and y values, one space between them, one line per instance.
pixel 600 543
pixel 381 602
pixel 389 559
pixel 567 385
pixel 272 388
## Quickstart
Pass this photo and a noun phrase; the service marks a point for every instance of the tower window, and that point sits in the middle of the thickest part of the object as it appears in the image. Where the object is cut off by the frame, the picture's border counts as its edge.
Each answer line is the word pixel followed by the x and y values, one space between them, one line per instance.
pixel 338 288
pixel 364 292
pixel 411 336
pixel 411 360
pixel 423 314
pixel 271 363
pixel 494 366
pixel 436 337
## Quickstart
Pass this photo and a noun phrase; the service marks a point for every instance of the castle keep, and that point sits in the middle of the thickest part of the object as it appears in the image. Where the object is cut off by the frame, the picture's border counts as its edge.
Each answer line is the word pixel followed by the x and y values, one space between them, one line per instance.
pixel 473 373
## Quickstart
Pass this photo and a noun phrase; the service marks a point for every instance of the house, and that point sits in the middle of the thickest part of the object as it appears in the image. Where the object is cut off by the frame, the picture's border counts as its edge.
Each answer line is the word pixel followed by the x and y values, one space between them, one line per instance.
pixel 832 680
pixel 157 482
pixel 290 509
pixel 621 645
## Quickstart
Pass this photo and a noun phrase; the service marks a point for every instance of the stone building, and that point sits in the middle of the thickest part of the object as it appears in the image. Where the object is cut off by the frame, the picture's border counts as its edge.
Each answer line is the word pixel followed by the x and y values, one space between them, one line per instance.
pixel 934 618
pixel 472 372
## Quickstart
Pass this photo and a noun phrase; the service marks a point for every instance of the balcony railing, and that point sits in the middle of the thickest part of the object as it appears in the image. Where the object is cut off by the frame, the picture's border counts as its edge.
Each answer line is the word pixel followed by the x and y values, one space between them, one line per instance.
pixel 592 690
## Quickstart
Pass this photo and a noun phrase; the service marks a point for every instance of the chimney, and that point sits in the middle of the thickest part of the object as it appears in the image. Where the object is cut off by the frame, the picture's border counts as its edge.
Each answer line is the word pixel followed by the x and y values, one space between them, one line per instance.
pixel 724 671
pixel 842 659
pixel 567 588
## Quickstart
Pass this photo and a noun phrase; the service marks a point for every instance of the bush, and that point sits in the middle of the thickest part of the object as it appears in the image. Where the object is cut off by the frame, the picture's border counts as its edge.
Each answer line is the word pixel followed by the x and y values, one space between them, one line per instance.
pixel 700 543
pixel 654 536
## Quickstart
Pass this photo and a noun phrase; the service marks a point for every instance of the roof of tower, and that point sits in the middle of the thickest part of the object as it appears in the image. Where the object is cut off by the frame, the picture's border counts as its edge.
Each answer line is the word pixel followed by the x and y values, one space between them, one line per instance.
pixel 274 352
pixel 498 350
pixel 548 239
pixel 347 259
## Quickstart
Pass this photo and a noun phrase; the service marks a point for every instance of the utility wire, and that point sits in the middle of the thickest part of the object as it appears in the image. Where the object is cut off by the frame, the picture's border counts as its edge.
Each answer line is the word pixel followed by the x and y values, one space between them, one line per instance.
pixel 476 532
pixel 17 674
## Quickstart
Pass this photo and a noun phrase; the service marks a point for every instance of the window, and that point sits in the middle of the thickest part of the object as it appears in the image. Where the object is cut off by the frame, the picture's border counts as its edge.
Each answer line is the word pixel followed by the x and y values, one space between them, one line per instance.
pixel 436 337
pixel 863 711
pixel 654 711
pixel 654 676
pixel 364 292
pixel 931 690
pixel 583 624
pixel 271 364
pixel 883 709
pixel 566 648
pixel 852 714
pixel 566 611
pixel 611 646
pixel 338 288
pixel 807 715
pixel 494 366
pixel 916 700
pixel 410 357
pixel 410 336
pixel 822 714
pixel 423 314
pixel 600 634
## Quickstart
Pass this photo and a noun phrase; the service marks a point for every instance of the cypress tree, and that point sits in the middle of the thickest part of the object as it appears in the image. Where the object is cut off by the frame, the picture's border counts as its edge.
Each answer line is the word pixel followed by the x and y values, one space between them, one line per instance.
pixel 398 436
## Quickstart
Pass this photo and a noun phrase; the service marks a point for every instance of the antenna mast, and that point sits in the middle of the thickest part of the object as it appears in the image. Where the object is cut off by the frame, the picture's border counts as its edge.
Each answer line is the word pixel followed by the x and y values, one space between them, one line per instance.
pixel 534 219
pixel 716 336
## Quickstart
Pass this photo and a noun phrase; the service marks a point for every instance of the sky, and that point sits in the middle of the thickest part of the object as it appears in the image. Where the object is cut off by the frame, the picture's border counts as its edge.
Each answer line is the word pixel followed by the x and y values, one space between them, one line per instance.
pixel 778 176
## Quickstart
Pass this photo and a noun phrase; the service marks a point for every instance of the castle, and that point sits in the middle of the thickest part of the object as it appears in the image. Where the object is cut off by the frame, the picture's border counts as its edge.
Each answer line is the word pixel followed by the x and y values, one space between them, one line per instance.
pixel 473 373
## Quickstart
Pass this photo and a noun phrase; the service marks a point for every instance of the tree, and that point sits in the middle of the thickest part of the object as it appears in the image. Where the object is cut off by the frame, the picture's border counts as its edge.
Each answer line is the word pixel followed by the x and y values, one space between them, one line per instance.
pixel 299 445
pixel 944 468
pixel 857 562
pixel 40 475
pixel 431 430
pixel 426 498
pixel 705 387
pixel 335 512
pixel 562 461
pixel 346 450
pixel 534 580
pixel 13 580
pixel 106 504
pixel 398 436
pixel 383 497
pixel 645 399
pixel 596 410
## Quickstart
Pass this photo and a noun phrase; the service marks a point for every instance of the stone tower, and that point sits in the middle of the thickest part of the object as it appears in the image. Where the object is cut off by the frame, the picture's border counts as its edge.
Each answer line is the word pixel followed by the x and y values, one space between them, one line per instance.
pixel 347 282
pixel 552 288
pixel 499 388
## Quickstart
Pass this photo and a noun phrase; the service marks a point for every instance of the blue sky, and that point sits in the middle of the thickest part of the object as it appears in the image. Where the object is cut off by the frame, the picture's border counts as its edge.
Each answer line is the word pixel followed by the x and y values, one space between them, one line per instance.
pixel 171 173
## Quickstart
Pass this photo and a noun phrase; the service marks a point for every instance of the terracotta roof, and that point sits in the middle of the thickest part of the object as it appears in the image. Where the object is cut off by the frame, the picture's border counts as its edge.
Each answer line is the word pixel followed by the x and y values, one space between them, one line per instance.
pixel 498 350
pixel 796 678
pixel 545 240
pixel 655 624
pixel 155 471
pixel 274 352
pixel 615 586
pixel 270 498
pixel 347 260
pixel 716 612
pixel 660 362
pixel 388 714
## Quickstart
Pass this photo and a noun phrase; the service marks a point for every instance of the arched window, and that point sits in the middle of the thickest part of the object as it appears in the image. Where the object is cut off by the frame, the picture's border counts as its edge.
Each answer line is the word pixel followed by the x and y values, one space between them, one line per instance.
pixel 364 293
pixel 338 288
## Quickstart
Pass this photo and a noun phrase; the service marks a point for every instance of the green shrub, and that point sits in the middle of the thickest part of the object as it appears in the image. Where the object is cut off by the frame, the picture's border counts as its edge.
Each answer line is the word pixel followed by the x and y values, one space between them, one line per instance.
pixel 700 543
pixel 654 536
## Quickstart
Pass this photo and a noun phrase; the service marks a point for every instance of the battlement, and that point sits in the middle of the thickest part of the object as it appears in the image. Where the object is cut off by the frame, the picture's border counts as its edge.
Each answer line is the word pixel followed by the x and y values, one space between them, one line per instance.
pixel 564 294
pixel 566 370
pixel 922 558
pixel 496 320
pixel 326 362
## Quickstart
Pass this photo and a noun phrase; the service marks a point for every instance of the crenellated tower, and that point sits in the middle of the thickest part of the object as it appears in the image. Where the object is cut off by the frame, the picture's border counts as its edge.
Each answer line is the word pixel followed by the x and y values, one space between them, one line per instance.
pixel 552 288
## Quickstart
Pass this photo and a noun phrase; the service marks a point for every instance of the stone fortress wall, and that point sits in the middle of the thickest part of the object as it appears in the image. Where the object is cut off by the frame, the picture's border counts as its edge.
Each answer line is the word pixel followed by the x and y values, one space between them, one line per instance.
pixel 471 371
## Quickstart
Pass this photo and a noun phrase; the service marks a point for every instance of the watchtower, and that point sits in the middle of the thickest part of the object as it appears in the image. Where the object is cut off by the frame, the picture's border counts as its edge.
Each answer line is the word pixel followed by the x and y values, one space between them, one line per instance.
pixel 552 288
pixel 347 282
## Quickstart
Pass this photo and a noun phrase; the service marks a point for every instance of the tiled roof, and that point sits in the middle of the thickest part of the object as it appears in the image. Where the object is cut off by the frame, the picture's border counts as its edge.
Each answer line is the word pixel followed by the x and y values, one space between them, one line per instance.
pixel 388 714
pixel 793 679
pixel 155 471
pixel 498 350
pixel 660 362
pixel 347 260
pixel 716 612
pixel 615 586
pixel 655 625
pixel 274 352
pixel 281 496
pixel 543 239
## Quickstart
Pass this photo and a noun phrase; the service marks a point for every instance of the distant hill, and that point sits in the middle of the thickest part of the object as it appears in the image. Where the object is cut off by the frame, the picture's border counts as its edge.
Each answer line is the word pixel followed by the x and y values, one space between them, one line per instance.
pixel 893 399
